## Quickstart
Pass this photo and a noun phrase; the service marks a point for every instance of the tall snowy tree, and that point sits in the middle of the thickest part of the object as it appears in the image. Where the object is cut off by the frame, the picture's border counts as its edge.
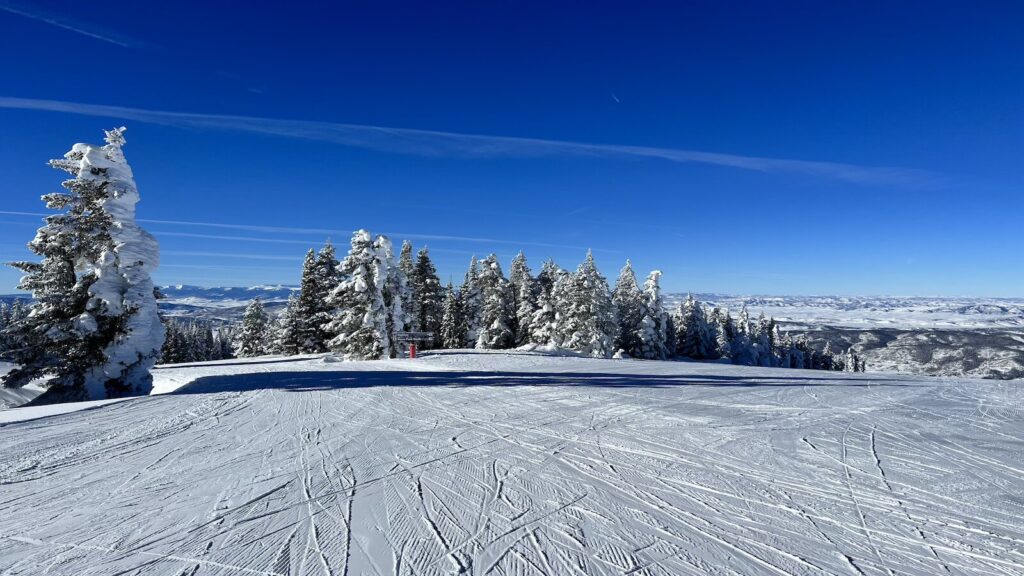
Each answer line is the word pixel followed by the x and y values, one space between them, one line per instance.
pixel 255 335
pixel 452 328
pixel 361 318
pixel 629 312
pixel 471 303
pixel 313 312
pixel 544 321
pixel 409 302
pixel 654 325
pixel 495 331
pixel 586 313
pixel 524 290
pixel 395 291
pixel 427 297
pixel 94 326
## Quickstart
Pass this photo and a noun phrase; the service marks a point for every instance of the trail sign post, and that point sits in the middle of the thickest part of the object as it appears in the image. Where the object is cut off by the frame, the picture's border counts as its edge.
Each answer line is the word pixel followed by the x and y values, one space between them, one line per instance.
pixel 411 338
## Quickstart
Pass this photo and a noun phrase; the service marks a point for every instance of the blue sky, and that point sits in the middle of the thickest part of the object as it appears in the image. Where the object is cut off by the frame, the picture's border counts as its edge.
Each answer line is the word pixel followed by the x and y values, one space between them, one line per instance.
pixel 740 147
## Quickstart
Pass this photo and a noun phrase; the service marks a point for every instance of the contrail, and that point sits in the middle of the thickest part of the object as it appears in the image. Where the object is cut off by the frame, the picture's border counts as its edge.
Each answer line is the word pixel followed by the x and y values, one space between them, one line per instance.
pixel 65 23
pixel 453 144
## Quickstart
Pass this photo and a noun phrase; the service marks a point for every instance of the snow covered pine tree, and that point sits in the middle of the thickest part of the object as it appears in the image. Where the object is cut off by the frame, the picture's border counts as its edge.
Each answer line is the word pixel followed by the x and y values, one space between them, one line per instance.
pixel 255 335
pixel 94 326
pixel 361 318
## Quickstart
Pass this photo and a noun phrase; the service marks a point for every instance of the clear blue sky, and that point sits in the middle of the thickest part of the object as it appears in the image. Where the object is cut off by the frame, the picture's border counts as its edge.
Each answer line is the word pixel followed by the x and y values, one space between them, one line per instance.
pixel 741 147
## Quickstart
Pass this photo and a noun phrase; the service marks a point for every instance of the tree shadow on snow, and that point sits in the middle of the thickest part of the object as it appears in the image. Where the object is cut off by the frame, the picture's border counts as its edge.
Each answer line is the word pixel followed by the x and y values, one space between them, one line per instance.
pixel 327 380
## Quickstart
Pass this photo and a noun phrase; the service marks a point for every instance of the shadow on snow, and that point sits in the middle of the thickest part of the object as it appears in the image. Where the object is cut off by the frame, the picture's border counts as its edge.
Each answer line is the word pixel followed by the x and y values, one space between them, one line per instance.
pixel 326 380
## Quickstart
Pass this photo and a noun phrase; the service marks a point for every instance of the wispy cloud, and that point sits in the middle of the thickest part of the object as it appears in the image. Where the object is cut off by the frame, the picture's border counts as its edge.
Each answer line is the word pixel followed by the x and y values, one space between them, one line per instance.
pixel 231 255
pixel 342 235
pixel 453 144
pixel 62 21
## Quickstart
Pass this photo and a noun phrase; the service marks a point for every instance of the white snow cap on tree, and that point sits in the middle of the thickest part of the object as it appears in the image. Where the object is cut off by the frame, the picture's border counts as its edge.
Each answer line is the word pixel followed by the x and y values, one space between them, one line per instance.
pixel 362 316
pixel 123 287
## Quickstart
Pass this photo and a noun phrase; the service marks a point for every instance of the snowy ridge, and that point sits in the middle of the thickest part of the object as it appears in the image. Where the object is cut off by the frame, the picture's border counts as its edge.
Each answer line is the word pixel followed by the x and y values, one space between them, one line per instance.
pixel 510 463
pixel 877 312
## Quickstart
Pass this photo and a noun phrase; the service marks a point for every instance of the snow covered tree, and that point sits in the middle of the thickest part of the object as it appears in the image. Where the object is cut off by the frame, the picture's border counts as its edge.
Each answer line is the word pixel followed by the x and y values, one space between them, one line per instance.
pixel 426 297
pixel 722 331
pixel 452 328
pixel 409 302
pixel 629 312
pixel 361 318
pixel 395 291
pixel 495 332
pixel 653 330
pixel 586 313
pixel 255 335
pixel 524 291
pixel 471 303
pixel 526 307
pixel 313 311
pixel 287 332
pixel 693 338
pixel 544 321
pixel 94 326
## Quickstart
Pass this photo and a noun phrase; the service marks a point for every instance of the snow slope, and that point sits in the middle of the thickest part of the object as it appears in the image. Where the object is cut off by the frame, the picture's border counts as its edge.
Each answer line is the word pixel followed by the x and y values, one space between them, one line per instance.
pixel 521 464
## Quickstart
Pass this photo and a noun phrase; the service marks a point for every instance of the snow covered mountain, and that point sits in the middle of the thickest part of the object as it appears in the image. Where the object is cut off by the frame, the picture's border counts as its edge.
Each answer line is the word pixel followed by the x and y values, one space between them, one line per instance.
pixel 977 337
pixel 510 463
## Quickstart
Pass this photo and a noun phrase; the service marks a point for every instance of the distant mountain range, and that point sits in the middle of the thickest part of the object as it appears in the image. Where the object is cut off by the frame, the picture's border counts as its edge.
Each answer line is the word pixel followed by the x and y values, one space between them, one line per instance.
pixel 981 337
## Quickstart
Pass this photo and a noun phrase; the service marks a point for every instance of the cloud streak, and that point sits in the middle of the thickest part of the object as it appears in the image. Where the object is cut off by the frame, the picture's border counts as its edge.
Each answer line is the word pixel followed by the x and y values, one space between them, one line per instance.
pixel 61 21
pixel 337 233
pixel 459 145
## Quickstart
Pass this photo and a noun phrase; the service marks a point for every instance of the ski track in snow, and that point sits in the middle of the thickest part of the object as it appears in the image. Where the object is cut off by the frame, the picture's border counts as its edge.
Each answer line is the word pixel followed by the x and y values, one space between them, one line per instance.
pixel 443 465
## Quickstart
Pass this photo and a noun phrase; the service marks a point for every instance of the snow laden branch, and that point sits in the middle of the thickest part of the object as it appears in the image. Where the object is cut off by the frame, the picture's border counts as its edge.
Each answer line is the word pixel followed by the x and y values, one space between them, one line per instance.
pixel 93 329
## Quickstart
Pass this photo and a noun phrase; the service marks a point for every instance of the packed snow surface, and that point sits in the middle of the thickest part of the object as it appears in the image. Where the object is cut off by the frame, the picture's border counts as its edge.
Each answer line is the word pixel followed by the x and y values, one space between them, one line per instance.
pixel 520 464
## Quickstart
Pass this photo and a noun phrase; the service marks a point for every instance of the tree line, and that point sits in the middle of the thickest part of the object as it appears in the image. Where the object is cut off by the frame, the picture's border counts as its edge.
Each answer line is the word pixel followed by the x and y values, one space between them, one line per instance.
pixel 357 306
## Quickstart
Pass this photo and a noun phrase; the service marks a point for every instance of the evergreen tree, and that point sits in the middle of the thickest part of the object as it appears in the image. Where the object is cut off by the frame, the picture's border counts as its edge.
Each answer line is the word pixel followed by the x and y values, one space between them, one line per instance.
pixel 495 318
pixel 586 314
pixel 427 297
pixel 288 329
pixel 526 307
pixel 546 278
pixel 255 331
pixel 524 292
pixel 94 326
pixel 693 338
pixel 653 331
pixel 452 335
pixel 395 291
pixel 629 312
pixel 361 318
pixel 409 300
pixel 471 303
pixel 313 311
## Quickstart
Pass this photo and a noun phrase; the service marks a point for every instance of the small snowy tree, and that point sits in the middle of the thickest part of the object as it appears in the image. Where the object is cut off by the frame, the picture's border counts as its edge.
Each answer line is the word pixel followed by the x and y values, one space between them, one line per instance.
pixel 524 291
pixel 94 325
pixel 629 312
pixel 361 318
pixel 495 333
pixel 255 335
